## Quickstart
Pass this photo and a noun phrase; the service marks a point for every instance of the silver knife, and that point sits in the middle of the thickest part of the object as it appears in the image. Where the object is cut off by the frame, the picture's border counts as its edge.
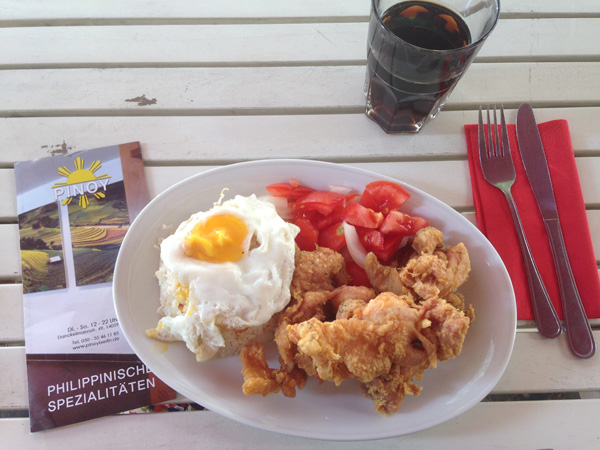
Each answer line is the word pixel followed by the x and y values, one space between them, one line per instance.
pixel 579 334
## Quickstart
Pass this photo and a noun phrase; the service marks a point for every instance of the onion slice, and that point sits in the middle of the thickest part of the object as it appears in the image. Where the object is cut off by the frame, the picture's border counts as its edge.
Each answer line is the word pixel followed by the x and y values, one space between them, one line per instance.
pixel 355 247
pixel 281 206
pixel 338 189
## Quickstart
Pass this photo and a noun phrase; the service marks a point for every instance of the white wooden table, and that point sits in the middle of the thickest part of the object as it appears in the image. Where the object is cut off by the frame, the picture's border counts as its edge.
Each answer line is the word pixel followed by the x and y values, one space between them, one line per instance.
pixel 208 83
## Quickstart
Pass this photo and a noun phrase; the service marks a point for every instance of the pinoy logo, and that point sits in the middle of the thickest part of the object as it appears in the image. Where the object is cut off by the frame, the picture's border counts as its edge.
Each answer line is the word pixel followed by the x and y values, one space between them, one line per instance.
pixel 80 182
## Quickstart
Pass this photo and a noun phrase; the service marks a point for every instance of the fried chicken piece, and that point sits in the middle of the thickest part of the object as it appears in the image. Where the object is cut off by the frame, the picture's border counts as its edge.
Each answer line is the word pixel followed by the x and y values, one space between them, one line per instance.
pixel 384 278
pixel 459 265
pixel 457 300
pixel 304 310
pixel 388 391
pixel 385 345
pixel 315 295
pixel 262 380
pixel 319 270
pixel 364 346
pixel 322 305
pixel 311 304
pixel 349 308
pixel 446 330
pixel 433 271
pixel 286 348
pixel 333 351
pixel 426 275
pixel 427 240
pixel 334 332
pixel 345 293
pixel 449 325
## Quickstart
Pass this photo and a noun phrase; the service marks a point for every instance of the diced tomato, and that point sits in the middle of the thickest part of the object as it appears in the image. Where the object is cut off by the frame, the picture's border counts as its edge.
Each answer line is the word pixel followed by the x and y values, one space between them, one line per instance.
pixel 357 215
pixel 280 189
pixel 391 244
pixel 333 237
pixel 288 190
pixel 321 221
pixel 370 239
pixel 376 223
pixel 418 223
pixel 358 274
pixel 397 222
pixel 384 196
pixel 303 213
pixel 308 236
pixel 324 202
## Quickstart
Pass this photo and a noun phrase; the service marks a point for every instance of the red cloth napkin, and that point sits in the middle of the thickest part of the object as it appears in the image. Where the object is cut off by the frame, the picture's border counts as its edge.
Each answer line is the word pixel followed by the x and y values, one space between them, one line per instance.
pixel 494 219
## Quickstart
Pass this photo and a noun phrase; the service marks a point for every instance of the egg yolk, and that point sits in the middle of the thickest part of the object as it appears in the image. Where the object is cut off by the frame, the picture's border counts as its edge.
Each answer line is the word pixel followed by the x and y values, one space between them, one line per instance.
pixel 218 239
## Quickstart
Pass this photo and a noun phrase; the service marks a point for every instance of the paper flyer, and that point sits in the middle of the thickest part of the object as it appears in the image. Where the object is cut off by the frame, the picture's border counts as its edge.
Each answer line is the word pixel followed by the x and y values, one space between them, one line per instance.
pixel 74 211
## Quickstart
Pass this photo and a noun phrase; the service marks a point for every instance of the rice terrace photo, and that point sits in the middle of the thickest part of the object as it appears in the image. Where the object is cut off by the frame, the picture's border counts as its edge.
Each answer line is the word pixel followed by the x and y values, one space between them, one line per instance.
pixel 73 226
pixel 96 235
pixel 42 258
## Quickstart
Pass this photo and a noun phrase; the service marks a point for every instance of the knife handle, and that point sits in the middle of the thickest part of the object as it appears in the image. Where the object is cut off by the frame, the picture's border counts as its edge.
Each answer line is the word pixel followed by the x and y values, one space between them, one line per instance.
pixel 579 333
pixel 545 316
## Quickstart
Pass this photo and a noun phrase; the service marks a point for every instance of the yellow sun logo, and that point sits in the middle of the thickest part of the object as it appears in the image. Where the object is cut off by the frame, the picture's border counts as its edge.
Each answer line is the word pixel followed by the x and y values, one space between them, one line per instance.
pixel 82 182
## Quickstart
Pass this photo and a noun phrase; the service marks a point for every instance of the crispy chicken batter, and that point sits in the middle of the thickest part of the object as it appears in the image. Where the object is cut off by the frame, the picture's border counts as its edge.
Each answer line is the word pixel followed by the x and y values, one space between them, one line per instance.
pixel 389 342
pixel 321 270
pixel 433 271
pixel 260 379
pixel 362 347
pixel 385 337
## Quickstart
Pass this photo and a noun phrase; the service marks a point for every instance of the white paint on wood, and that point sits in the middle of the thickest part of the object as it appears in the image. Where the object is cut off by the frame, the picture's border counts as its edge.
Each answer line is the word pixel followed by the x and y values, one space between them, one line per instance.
pixel 252 44
pixel 211 140
pixel 15 10
pixel 557 425
pixel 258 90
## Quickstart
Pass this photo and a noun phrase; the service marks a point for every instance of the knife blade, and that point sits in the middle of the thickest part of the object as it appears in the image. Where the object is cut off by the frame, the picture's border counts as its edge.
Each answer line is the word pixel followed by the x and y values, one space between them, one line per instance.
pixel 579 334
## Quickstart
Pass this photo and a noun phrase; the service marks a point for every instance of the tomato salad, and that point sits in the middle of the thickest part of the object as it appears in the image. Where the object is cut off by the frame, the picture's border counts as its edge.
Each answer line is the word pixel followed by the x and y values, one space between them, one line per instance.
pixel 350 223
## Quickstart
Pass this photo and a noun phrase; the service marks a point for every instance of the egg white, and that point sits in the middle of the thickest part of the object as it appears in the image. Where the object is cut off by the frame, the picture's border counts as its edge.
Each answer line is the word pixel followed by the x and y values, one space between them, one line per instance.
pixel 234 295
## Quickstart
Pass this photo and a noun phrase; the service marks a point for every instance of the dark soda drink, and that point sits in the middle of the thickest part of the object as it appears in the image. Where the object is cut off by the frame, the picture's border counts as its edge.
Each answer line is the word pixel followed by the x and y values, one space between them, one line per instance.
pixel 427 25
pixel 413 63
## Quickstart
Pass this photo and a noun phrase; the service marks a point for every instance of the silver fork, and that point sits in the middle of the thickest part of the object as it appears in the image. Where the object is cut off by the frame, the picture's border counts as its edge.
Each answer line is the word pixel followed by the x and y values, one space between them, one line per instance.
pixel 498 170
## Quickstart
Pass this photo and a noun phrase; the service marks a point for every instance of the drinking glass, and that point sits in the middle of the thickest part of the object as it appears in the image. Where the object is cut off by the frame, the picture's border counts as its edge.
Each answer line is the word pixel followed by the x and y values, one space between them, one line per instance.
pixel 416 53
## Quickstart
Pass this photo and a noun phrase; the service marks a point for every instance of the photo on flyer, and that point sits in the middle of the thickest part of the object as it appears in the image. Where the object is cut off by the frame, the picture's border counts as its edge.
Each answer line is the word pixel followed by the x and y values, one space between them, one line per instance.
pixel 74 211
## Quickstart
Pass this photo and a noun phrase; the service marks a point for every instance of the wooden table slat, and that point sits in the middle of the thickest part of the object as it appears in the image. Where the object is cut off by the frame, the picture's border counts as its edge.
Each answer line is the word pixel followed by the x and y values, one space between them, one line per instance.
pixel 41 10
pixel 527 424
pixel 209 140
pixel 251 44
pixel 263 90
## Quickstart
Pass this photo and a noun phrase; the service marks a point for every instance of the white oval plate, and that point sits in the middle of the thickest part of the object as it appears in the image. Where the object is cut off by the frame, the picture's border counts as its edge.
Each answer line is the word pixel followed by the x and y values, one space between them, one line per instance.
pixel 318 411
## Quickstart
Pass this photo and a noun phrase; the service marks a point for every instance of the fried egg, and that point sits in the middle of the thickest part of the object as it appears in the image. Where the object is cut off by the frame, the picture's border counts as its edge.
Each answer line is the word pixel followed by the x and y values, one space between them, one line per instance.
pixel 225 269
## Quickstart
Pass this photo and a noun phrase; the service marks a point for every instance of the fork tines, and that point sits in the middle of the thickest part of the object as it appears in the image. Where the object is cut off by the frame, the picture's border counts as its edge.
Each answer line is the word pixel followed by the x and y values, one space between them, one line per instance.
pixel 493 146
